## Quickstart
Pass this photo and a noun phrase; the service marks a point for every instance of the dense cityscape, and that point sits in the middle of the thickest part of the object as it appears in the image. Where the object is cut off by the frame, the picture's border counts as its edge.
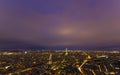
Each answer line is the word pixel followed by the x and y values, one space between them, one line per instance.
pixel 59 37
pixel 60 62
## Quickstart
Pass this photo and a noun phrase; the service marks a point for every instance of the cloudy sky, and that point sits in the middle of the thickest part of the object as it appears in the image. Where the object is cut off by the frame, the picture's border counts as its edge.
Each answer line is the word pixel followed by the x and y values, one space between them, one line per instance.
pixel 58 23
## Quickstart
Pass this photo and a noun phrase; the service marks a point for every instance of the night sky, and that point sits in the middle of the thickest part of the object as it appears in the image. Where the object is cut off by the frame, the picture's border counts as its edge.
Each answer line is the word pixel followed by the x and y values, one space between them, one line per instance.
pixel 59 23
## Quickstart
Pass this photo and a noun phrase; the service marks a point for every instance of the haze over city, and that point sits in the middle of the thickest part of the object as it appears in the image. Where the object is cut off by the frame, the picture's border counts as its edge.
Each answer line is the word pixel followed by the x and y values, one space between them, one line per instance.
pixel 59 37
pixel 59 23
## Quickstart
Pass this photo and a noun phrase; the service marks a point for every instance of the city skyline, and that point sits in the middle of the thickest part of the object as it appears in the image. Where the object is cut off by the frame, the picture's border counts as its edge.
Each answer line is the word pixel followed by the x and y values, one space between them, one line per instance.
pixel 60 24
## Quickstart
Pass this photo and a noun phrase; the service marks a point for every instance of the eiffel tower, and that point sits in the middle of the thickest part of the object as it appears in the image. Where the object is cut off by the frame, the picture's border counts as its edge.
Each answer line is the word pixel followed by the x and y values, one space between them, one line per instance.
pixel 66 52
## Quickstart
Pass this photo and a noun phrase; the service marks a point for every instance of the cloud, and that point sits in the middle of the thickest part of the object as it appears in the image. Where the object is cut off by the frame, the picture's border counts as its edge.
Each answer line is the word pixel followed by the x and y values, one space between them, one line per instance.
pixel 60 23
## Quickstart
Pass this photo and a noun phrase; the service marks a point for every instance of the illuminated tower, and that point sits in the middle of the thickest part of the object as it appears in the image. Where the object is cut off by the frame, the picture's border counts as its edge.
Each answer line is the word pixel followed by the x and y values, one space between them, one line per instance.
pixel 50 59
pixel 65 56
pixel 66 51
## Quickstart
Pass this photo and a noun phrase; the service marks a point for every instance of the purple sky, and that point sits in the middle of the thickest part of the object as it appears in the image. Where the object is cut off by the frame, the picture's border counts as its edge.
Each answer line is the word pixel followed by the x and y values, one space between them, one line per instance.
pixel 82 23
